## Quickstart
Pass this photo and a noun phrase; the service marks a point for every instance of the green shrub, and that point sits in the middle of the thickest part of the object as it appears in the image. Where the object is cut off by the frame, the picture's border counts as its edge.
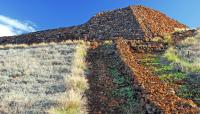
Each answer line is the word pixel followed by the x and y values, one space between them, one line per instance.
pixel 124 91
pixel 180 63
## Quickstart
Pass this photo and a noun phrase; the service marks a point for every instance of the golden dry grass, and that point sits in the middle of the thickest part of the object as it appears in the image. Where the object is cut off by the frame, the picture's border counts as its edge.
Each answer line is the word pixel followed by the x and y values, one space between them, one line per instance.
pixel 74 102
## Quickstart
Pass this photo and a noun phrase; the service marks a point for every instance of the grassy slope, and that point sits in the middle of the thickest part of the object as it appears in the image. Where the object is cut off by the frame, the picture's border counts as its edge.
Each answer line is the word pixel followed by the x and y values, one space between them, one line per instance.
pixel 39 77
pixel 75 102
pixel 185 85
pixel 179 66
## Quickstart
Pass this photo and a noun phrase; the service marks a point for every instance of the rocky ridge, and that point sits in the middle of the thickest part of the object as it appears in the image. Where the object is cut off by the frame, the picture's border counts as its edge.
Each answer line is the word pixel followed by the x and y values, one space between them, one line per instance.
pixel 133 22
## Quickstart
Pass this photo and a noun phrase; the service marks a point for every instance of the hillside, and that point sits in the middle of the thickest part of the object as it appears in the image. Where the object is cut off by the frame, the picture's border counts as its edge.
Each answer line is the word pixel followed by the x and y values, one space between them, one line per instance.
pixel 125 61
pixel 133 22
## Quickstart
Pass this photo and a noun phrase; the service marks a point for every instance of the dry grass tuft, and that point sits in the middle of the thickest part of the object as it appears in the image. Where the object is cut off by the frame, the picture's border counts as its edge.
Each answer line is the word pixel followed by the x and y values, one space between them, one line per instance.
pixel 78 83
pixel 74 102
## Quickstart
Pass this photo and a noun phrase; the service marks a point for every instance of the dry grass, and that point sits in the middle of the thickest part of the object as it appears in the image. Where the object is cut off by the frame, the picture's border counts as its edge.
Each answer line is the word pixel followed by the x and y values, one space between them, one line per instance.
pixel 108 42
pixel 77 80
pixel 77 83
pixel 156 39
pixel 189 41
pixel 168 38
pixel 32 79
pixel 180 29
pixel 75 102
pixel 186 55
pixel 7 46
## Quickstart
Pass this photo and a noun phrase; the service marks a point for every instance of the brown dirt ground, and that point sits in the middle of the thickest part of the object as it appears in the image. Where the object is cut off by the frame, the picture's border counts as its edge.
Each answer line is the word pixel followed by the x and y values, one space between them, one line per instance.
pixel 101 84
pixel 101 99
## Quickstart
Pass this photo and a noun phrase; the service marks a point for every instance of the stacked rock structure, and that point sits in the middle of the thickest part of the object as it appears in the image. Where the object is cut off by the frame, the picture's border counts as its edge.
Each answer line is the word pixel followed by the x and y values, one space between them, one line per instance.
pixel 133 22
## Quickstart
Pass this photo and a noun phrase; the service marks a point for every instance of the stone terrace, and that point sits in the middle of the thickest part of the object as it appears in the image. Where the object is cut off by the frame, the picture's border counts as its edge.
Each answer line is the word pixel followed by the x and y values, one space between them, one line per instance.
pixel 133 22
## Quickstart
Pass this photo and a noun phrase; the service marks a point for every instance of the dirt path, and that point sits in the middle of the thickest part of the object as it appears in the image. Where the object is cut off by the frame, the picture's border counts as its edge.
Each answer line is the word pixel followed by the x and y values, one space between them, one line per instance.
pixel 120 85
pixel 107 94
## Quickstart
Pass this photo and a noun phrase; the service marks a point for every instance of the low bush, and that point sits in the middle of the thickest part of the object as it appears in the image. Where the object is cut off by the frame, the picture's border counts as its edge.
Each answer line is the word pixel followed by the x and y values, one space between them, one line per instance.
pixel 179 63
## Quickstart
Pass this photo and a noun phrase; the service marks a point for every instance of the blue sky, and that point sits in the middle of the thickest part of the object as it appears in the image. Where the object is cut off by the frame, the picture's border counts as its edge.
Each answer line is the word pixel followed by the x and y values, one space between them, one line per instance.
pixel 46 14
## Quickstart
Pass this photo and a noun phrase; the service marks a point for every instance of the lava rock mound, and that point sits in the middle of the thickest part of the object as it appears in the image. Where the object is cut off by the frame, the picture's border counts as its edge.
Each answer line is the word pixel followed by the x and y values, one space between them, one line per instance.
pixel 133 22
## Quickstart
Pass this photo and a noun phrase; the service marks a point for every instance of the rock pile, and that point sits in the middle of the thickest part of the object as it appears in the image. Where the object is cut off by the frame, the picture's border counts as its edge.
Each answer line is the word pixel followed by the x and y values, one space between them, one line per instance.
pixel 147 46
pixel 120 22
pixel 154 23
pixel 133 22
pixel 179 36
pixel 54 35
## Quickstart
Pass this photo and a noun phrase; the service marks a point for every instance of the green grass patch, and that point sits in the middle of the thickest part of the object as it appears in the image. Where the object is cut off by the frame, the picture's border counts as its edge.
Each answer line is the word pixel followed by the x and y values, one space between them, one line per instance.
pixel 190 92
pixel 170 78
pixel 167 73
pixel 180 63
pixel 124 90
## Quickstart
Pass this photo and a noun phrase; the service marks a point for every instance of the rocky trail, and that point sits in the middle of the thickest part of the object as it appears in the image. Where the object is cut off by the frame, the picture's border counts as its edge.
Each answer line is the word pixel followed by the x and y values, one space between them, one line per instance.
pixel 147 92
pixel 110 90
pixel 156 96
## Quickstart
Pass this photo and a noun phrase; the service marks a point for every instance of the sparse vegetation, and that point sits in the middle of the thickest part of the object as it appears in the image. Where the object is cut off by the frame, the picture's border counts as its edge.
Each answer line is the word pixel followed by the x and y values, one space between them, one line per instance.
pixel 185 56
pixel 185 76
pixel 157 39
pixel 75 101
pixel 124 91
pixel 34 79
